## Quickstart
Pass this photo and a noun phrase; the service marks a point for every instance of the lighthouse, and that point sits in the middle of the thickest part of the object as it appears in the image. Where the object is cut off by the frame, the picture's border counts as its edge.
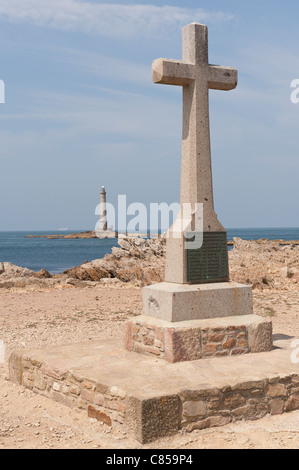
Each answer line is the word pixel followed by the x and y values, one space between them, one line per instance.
pixel 103 224
pixel 101 229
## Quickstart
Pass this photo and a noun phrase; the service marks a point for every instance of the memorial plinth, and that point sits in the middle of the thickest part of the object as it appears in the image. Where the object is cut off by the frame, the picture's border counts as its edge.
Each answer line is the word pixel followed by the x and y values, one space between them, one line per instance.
pixel 187 323
pixel 177 302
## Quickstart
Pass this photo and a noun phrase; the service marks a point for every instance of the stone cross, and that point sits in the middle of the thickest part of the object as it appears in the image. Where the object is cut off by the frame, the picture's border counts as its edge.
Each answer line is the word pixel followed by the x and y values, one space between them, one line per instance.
pixel 196 76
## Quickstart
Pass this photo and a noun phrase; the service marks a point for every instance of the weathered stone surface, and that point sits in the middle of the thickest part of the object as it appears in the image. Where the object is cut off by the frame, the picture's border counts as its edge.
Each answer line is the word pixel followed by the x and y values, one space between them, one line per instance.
pixel 62 398
pixel 244 412
pixel 238 352
pixel 277 406
pixel 182 344
pixel 99 415
pixel 149 419
pixel 194 409
pixel 229 344
pixel 210 349
pixel 212 422
pixel 260 337
pixel 277 390
pixel 251 385
pixel 39 381
pixel 16 367
pixel 216 337
pixel 234 401
pixel 292 404
pixel 117 392
pixel 54 372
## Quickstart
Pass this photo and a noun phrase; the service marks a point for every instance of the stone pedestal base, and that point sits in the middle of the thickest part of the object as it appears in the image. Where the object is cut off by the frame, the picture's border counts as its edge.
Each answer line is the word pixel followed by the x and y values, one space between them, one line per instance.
pixel 183 302
pixel 198 339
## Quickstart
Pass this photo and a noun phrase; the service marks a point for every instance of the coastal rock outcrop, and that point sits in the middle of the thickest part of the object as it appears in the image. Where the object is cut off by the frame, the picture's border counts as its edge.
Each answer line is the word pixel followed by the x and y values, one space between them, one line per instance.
pixel 136 259
pixel 264 264
pixel 16 276
pixel 8 270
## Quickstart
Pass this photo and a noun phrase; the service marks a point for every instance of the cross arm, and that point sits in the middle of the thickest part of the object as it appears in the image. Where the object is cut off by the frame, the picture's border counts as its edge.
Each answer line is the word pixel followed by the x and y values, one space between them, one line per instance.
pixel 172 72
pixel 222 78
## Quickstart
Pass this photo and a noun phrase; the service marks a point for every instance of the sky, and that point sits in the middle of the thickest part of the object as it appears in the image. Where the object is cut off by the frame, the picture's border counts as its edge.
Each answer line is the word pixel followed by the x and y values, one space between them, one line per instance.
pixel 81 110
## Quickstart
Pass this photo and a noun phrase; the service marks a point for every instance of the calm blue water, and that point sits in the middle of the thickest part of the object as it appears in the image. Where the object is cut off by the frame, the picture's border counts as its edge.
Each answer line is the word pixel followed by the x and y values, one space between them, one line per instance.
pixel 53 255
pixel 58 255
pixel 269 233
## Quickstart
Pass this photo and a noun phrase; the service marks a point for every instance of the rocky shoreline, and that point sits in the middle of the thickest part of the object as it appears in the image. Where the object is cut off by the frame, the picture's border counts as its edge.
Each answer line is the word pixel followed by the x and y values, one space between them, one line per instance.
pixel 264 264
pixel 75 236
pixel 81 235
pixel 90 234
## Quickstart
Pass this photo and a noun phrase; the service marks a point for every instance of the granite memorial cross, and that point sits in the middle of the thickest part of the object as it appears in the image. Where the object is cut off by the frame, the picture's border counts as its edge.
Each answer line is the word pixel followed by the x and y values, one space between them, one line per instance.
pixel 197 313
pixel 196 76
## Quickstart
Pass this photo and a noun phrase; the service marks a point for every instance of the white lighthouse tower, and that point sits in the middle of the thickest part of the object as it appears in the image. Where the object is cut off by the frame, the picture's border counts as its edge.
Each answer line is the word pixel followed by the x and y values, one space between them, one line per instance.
pixel 102 230
pixel 103 224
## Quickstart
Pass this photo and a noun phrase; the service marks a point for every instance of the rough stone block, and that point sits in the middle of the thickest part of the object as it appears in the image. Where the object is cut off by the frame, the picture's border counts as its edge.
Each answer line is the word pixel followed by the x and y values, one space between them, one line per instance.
pixel 293 403
pixel 99 415
pixel 182 344
pixel 277 390
pixel 277 406
pixel 260 337
pixel 193 410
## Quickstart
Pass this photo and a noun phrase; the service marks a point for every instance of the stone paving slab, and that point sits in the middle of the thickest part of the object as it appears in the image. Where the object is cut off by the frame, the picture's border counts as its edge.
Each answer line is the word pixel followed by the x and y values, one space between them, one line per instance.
pixel 152 398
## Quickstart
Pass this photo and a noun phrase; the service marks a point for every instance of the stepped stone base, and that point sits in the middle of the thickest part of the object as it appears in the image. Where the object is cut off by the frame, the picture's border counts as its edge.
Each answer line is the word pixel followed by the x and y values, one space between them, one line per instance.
pixel 198 339
pixel 151 399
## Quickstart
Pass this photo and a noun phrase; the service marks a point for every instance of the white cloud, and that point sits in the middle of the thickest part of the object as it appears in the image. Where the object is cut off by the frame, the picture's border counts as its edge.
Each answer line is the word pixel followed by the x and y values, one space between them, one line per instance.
pixel 103 19
pixel 104 66
pixel 111 114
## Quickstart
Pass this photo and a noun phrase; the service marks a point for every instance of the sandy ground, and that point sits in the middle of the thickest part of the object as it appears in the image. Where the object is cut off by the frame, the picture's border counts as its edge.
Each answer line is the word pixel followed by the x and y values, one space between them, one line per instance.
pixel 30 319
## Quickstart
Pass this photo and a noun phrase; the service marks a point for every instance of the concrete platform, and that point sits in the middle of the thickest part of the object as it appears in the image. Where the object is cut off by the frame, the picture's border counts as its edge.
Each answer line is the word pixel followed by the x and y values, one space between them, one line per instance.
pixel 151 398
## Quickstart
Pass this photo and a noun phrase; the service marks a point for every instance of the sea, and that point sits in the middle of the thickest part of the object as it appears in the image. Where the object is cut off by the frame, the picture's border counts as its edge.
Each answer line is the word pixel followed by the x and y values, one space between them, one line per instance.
pixel 57 255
